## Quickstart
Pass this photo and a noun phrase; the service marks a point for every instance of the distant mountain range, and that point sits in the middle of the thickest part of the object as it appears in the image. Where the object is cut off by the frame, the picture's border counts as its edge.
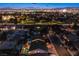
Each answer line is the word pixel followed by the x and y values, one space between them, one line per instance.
pixel 8 8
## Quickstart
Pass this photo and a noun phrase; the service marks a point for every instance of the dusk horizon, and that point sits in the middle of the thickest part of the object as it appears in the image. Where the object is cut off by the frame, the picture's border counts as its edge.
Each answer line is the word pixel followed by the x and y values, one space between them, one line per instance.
pixel 39 5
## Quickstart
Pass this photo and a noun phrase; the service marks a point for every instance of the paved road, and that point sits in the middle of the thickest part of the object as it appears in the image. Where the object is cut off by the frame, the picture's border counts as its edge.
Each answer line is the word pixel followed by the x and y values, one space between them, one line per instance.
pixel 60 50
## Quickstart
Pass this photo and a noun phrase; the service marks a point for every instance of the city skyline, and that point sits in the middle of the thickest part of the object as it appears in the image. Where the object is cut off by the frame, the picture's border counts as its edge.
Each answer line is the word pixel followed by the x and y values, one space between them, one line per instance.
pixel 38 5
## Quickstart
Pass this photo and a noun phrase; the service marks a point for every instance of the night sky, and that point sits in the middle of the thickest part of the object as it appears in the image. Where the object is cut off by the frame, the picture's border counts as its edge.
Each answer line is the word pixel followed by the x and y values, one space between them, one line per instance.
pixel 38 5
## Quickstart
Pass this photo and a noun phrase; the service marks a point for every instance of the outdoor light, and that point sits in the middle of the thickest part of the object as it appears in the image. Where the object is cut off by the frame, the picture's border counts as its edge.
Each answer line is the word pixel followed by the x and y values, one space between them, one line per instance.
pixel 64 10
